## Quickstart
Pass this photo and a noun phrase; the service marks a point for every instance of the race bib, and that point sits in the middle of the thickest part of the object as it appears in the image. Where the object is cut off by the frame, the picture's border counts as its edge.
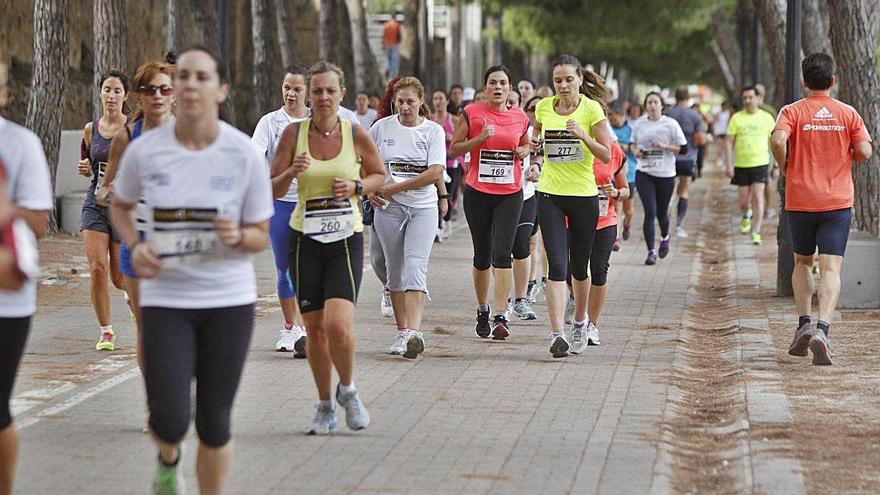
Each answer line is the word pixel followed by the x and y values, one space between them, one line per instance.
pixel 327 219
pixel 403 171
pixel 185 235
pixel 604 201
pixel 651 159
pixel 102 169
pixel 561 146
pixel 496 166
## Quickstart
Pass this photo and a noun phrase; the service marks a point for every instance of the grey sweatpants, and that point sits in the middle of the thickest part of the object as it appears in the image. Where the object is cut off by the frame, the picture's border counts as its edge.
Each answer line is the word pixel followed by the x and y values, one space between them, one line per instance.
pixel 406 236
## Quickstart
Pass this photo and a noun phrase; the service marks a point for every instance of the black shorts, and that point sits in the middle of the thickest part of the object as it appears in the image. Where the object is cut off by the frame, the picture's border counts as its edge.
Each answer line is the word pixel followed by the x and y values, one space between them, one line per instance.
pixel 13 337
pixel 322 271
pixel 685 168
pixel 750 175
pixel 97 218
pixel 827 230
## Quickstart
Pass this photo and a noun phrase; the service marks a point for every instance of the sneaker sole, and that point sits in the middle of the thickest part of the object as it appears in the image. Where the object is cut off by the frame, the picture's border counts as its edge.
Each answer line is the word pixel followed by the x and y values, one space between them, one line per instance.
pixel 662 254
pixel 299 348
pixel 104 348
pixel 595 343
pixel 800 347
pixel 333 427
pixel 283 349
pixel 575 351
pixel 820 353
pixel 527 316
pixel 414 347
pixel 559 348
pixel 488 333
pixel 500 332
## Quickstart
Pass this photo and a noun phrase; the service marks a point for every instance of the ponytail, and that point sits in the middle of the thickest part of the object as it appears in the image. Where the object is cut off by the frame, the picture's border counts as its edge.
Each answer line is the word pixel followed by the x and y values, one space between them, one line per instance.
pixel 595 89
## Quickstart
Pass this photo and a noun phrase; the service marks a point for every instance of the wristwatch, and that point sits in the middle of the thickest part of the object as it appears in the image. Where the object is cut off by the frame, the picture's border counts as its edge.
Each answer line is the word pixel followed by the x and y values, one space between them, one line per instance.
pixel 358 187
pixel 443 196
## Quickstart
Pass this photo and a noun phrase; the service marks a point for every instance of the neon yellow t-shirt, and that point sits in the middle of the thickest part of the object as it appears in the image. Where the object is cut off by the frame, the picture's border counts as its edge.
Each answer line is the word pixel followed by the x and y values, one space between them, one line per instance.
pixel 568 163
pixel 751 148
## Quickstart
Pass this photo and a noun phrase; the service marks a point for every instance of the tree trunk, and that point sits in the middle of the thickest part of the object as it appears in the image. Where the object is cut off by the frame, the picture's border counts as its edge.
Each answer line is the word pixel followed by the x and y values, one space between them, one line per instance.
pixel 171 14
pixel 48 86
pixel 815 38
pixel 207 21
pixel 344 54
pixel 110 43
pixel 328 16
pixel 409 44
pixel 455 28
pixel 260 24
pixel 366 70
pixel 772 15
pixel 285 41
pixel 854 46
pixel 727 52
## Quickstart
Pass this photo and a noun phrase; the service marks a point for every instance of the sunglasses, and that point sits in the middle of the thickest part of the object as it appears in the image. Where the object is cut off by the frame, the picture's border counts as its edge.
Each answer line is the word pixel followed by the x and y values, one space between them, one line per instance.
pixel 151 90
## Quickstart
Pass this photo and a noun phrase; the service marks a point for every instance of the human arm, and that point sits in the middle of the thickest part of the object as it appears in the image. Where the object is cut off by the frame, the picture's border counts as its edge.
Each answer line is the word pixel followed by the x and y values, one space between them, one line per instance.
pixel 600 146
pixel 117 146
pixel 728 156
pixel 779 148
pixel 862 151
pixel 442 196
pixel 461 144
pixel 372 169
pixel 287 165
pixel 84 167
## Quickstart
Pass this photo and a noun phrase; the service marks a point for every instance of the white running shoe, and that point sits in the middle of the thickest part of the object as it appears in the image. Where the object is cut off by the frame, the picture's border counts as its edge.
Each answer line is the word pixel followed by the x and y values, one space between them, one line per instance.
pixel 299 342
pixel 325 420
pixel 569 310
pixel 286 340
pixel 558 345
pixel 680 232
pixel 356 415
pixel 592 334
pixel 415 345
pixel 399 345
pixel 578 339
pixel 387 308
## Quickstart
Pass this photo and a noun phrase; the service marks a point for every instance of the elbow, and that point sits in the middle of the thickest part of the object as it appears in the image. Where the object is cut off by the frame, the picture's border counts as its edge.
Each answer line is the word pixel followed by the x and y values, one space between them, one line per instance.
pixel 863 152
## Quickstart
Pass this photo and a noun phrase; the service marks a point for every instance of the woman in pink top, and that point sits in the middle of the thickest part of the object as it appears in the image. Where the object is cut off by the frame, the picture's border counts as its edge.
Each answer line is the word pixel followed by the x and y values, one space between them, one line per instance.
pixel 442 116
pixel 497 141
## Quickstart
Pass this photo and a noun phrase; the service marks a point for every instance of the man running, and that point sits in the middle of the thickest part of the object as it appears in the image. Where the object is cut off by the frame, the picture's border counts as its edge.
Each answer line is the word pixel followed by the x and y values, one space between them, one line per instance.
pixel 748 160
pixel 691 123
pixel 822 136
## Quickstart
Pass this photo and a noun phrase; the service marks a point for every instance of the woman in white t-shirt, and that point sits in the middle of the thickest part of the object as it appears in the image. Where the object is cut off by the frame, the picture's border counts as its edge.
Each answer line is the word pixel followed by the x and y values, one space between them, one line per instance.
pixel 413 149
pixel 199 287
pixel 655 141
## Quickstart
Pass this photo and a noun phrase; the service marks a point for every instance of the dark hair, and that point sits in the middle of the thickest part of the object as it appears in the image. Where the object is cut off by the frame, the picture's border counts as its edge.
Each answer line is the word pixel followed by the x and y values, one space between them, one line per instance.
pixel 170 58
pixel 496 68
pixel 459 86
pixel 593 86
pixel 439 90
pixel 526 79
pixel 514 89
pixel 222 72
pixel 297 70
pixel 362 92
pixel 118 75
pixel 749 88
pixel 818 70
pixel 529 103
pixel 653 93
pixel 682 93
pixel 617 107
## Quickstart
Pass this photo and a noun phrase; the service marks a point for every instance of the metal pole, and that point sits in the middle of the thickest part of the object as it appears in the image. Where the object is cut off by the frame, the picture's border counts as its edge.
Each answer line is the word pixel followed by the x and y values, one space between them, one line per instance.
pixel 784 253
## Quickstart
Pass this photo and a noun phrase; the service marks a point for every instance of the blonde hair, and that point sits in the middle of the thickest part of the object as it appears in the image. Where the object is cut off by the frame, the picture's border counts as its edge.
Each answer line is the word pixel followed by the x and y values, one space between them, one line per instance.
pixel 322 67
pixel 410 82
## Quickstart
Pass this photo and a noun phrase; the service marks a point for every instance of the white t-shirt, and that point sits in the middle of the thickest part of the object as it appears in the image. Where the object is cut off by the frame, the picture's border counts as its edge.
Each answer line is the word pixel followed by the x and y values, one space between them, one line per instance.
pixel 409 151
pixel 229 175
pixel 368 118
pixel 721 122
pixel 30 187
pixel 657 162
pixel 351 115
pixel 267 136
pixel 529 187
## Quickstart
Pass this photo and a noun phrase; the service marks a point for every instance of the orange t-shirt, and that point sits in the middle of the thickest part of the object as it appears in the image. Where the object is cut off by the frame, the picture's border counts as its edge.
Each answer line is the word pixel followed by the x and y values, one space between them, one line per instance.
pixel 605 173
pixel 821 134
pixel 390 33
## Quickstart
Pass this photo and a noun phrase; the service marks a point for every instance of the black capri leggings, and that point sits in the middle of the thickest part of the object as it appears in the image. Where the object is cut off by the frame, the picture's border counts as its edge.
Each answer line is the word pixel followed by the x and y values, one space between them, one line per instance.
pixel 13 337
pixel 582 215
pixel 527 227
pixel 452 190
pixel 492 219
pixel 602 245
pixel 208 344
pixel 655 193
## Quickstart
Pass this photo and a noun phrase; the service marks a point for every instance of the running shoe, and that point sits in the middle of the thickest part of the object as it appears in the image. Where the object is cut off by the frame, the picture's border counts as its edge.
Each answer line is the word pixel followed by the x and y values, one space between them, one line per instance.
pixel 745 225
pixel 627 231
pixel 398 347
pixel 299 342
pixel 820 344
pixel 500 328
pixel 356 415
pixel 801 343
pixel 569 310
pixel 592 334
pixel 578 339
pixel 509 306
pixel 387 308
pixel 415 345
pixel 558 345
pixel 616 245
pixel 483 329
pixel 325 420
pixel 107 341
pixel 286 340
pixel 523 310
pixel 130 307
pixel 756 239
pixel 652 258
pixel 664 247
pixel 532 291
pixel 681 232
pixel 168 480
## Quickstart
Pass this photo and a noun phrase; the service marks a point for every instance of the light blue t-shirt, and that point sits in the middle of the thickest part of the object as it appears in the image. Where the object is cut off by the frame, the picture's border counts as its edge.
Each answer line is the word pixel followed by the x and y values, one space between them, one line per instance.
pixel 624 135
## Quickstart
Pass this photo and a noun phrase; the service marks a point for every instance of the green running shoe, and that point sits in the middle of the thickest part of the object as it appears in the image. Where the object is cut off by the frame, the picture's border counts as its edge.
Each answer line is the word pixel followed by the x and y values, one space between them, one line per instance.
pixel 107 341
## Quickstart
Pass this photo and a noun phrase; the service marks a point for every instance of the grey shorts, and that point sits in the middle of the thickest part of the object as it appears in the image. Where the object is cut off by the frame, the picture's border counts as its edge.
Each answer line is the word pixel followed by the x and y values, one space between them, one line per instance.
pixel 97 218
pixel 406 236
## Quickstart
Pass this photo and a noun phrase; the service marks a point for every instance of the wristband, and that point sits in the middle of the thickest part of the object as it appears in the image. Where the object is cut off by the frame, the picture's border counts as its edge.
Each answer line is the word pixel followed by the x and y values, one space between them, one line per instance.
pixel 443 196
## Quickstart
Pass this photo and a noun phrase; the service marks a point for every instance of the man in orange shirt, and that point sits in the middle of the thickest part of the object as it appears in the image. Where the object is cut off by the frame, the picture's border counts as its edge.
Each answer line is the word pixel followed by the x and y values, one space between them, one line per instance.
pixel 822 137
pixel 391 32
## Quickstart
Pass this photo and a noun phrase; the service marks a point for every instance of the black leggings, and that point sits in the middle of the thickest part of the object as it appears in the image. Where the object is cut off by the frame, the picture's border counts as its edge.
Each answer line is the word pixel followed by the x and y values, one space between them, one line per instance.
pixel 208 344
pixel 602 245
pixel 452 190
pixel 492 219
pixel 527 227
pixel 13 337
pixel 655 193
pixel 568 224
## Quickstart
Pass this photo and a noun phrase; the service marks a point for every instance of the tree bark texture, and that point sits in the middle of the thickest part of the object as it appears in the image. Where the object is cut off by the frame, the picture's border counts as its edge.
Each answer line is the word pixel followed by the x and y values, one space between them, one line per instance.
pixel 283 25
pixel 262 78
pixel 328 17
pixel 772 15
pixel 855 54
pixel 409 44
pixel 455 28
pixel 48 86
pixel 207 21
pixel 816 37
pixel 366 70
pixel 728 52
pixel 172 12
pixel 110 43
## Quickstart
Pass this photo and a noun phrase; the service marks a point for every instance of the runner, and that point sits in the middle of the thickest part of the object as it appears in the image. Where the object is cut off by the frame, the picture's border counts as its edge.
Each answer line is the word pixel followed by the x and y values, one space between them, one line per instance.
pixel 497 141
pixel 442 117
pixel 623 131
pixel 719 129
pixel 456 99
pixel 815 141
pixel 771 189
pixel 749 131
pixel 691 123
pixel 365 115
pixel 539 262
pixel 101 242
pixel 292 336
pixel 413 149
pixel 526 88
pixel 199 287
pixel 28 190
pixel 656 139
pixel 326 245
pixel 574 131
pixel 514 100
pixel 633 113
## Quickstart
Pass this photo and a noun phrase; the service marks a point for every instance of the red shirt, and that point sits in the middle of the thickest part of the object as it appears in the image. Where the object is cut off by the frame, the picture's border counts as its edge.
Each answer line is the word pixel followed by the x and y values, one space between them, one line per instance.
pixel 821 134
pixel 510 126
pixel 390 33
pixel 605 173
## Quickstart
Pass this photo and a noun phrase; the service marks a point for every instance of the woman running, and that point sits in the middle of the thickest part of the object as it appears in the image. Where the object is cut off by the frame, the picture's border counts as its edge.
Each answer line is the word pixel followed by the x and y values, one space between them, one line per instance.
pixel 199 287
pixel 655 141
pixel 445 119
pixel 539 264
pixel 326 244
pixel 266 137
pixel 413 149
pixel 101 242
pixel 574 131
pixel 497 141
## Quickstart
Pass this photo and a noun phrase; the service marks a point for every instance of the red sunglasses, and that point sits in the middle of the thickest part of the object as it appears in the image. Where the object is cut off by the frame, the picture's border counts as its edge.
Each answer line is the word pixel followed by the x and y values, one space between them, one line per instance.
pixel 150 90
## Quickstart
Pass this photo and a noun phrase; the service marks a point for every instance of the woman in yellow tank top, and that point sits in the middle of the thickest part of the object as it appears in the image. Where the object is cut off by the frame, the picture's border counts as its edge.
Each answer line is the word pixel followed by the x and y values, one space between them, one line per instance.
pixel 326 241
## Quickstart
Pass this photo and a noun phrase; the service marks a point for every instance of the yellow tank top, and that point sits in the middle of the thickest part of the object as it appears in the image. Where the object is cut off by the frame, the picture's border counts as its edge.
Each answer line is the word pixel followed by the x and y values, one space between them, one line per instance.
pixel 316 183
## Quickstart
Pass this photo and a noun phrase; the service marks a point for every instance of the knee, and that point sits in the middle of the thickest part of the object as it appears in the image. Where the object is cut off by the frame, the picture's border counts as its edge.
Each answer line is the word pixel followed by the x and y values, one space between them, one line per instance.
pixel 99 269
pixel 599 274
pixel 5 417
pixel 118 280
pixel 558 269
pixel 521 251
pixel 501 261
pixel 482 263
pixel 801 259
pixel 168 424
pixel 579 271
pixel 336 331
pixel 213 427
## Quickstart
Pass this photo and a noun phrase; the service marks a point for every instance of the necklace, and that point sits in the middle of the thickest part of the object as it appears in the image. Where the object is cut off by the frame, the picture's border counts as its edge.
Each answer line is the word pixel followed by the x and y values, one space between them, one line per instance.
pixel 326 133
